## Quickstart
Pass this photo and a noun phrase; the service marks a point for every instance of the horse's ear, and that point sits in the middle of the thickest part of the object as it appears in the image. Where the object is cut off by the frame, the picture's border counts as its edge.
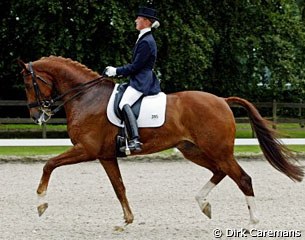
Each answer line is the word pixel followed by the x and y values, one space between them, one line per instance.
pixel 21 64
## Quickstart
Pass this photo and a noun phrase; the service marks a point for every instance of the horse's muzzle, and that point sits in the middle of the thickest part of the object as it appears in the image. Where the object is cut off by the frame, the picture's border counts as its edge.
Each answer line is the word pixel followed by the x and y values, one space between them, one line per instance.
pixel 39 117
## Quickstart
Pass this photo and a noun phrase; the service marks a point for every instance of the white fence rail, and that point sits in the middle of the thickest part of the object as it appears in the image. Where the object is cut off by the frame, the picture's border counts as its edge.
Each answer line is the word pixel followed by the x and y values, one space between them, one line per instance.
pixel 35 142
pixel 67 142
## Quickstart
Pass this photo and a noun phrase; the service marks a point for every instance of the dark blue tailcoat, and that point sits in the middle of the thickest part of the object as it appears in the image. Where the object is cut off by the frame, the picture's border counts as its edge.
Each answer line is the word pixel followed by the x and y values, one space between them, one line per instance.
pixel 142 77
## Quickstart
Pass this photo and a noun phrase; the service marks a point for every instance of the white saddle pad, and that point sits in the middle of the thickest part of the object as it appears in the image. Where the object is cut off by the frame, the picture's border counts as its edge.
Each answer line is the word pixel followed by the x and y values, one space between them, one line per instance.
pixel 152 111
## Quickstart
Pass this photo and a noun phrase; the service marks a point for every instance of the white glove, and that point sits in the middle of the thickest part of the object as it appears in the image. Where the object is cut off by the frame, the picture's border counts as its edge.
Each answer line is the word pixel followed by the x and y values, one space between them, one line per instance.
pixel 110 71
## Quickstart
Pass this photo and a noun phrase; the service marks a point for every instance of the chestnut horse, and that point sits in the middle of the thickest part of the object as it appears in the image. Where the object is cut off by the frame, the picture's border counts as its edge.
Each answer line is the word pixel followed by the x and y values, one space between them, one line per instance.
pixel 199 124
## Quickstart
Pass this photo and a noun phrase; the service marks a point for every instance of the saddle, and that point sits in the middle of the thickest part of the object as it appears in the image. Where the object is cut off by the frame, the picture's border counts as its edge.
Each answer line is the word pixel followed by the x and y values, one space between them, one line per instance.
pixel 148 110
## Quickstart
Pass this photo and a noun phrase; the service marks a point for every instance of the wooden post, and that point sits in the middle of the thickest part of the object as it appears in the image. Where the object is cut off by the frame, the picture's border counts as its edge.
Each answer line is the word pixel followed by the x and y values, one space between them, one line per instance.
pixel 44 130
pixel 300 115
pixel 253 133
pixel 274 117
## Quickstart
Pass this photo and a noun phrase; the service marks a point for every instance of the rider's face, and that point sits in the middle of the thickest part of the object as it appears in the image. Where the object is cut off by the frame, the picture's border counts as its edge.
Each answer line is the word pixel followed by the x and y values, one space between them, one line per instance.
pixel 142 22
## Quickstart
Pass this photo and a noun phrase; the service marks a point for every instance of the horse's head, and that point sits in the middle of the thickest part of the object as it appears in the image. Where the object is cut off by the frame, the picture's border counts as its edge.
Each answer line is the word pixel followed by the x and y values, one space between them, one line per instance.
pixel 39 89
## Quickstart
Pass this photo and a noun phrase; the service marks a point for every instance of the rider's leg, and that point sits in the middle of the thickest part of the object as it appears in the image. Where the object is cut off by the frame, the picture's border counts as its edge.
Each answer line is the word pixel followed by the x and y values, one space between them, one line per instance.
pixel 132 128
pixel 130 96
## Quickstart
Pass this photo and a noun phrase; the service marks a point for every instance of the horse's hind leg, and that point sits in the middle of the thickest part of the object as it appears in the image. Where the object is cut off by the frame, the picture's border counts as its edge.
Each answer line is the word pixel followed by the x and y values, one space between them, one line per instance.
pixel 112 169
pixel 244 182
pixel 191 152
pixel 201 197
pixel 220 169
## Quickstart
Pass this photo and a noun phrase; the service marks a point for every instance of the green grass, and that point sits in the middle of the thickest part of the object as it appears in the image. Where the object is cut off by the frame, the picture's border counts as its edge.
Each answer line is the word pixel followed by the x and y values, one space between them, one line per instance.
pixel 36 151
pixel 28 151
pixel 256 149
pixel 286 130
pixel 243 131
pixel 52 127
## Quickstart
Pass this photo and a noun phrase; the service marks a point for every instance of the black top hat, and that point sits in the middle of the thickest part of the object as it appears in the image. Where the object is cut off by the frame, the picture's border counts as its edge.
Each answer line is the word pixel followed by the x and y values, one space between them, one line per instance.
pixel 148 13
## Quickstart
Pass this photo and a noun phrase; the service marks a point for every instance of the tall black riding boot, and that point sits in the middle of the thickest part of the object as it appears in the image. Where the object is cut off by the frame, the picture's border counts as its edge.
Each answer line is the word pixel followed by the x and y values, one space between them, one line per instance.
pixel 132 128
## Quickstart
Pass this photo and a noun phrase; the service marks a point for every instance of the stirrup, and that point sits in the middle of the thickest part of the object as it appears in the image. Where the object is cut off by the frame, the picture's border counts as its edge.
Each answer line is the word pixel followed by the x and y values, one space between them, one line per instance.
pixel 133 146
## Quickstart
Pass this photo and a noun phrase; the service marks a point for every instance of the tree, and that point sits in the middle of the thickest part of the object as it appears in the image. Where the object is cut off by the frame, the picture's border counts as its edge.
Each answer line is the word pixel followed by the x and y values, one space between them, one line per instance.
pixel 216 46
pixel 186 45
pixel 255 35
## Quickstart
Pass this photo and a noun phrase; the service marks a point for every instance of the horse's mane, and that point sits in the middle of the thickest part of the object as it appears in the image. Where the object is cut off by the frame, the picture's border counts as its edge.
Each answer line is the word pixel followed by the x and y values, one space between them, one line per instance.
pixel 75 64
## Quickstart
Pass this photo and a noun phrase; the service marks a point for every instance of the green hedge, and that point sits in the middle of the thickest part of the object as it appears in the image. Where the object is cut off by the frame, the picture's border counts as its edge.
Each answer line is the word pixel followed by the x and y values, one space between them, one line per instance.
pixel 224 47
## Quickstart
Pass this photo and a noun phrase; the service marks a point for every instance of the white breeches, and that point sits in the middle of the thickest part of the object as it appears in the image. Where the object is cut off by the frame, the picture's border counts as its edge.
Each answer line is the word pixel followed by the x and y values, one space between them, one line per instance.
pixel 130 96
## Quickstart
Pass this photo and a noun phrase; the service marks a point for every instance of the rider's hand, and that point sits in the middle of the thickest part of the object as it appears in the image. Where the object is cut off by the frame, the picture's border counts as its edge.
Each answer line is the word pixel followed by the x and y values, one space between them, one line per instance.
pixel 110 71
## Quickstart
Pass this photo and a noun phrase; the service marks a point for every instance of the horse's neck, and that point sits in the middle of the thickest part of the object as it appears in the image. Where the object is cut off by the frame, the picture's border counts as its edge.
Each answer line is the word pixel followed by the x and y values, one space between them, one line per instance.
pixel 69 75
pixel 69 79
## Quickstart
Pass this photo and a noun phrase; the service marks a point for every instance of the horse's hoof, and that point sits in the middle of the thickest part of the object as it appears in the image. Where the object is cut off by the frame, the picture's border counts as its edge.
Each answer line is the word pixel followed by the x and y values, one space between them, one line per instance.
pixel 42 208
pixel 128 220
pixel 118 229
pixel 128 217
pixel 206 209
pixel 254 220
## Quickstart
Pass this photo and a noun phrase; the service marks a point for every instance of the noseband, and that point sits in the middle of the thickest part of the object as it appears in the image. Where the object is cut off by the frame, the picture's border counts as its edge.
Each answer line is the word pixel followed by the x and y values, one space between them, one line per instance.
pixel 45 105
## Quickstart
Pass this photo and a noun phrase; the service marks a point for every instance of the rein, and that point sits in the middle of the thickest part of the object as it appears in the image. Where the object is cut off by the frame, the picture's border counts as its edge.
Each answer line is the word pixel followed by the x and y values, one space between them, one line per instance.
pixel 82 88
pixel 45 105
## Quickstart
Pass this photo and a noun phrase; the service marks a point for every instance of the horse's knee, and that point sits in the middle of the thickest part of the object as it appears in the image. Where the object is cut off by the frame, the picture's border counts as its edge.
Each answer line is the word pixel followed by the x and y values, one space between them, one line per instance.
pixel 49 166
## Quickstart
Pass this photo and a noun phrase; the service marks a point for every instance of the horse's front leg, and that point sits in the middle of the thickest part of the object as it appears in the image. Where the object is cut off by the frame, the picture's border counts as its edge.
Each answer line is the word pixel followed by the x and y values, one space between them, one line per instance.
pixel 75 154
pixel 112 169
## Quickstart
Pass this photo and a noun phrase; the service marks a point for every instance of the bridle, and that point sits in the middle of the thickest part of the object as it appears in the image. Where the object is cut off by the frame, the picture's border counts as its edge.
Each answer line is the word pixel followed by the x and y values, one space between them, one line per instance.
pixel 39 102
pixel 45 105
